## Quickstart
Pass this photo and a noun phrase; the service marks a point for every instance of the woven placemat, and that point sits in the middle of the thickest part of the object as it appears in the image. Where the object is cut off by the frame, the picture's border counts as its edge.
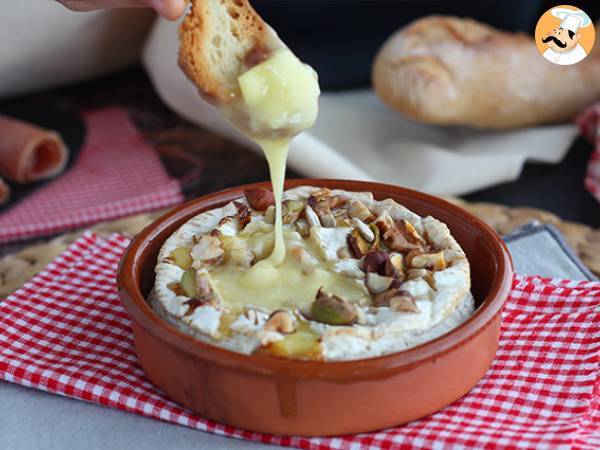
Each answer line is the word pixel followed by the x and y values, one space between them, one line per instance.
pixel 18 268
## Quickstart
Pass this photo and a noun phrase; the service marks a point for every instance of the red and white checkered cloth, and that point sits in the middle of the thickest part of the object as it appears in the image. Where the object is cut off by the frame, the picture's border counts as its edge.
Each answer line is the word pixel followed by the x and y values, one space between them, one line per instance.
pixel 589 124
pixel 66 332
pixel 116 174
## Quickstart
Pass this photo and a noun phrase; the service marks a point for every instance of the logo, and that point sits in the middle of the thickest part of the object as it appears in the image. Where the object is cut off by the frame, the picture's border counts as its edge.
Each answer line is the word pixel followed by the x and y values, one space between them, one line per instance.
pixel 564 35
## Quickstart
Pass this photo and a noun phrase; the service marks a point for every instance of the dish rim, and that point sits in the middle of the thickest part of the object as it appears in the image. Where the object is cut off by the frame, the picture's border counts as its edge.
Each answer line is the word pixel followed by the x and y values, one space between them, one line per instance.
pixel 132 263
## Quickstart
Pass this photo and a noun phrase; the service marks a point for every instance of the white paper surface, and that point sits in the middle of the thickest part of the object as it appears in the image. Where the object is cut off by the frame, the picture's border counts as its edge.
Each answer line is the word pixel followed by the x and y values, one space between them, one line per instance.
pixel 357 137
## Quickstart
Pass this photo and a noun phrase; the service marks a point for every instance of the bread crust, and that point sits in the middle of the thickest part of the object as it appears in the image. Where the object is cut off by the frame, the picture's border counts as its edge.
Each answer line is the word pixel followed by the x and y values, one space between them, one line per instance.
pixel 216 38
pixel 453 71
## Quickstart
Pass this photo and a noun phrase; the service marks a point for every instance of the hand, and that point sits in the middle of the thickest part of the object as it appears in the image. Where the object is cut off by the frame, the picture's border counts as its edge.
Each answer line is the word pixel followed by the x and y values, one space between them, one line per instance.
pixel 169 9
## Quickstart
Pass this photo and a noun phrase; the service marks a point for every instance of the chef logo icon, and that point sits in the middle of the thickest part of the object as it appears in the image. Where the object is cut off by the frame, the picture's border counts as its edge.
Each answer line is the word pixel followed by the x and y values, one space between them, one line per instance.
pixel 564 35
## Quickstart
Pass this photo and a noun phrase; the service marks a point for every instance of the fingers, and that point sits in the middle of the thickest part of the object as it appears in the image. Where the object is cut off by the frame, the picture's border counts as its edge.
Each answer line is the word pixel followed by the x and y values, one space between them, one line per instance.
pixel 169 9
pixel 90 5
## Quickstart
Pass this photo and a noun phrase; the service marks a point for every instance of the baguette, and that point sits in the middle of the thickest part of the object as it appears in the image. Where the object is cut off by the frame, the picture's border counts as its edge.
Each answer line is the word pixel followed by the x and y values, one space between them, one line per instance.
pixel 219 40
pixel 452 71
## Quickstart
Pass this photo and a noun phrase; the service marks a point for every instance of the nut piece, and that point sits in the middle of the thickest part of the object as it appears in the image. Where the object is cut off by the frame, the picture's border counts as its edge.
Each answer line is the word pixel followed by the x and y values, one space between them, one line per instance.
pixel 376 261
pixel 259 199
pixel 311 217
pixel 270 214
pixel 399 237
pixel 302 227
pixel 342 219
pixel 412 274
pixel 359 247
pixel 291 211
pixel 332 310
pixel 208 250
pixel 360 211
pixel 322 202
pixel 409 232
pixel 397 261
pixel 364 229
pixel 376 283
pixel 398 300
pixel 244 214
pixel 328 220
pixel 281 321
pixel 431 261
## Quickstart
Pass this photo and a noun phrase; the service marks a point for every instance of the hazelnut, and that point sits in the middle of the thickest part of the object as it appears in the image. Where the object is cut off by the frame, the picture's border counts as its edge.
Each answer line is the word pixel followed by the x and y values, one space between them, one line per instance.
pixel 376 261
pixel 431 261
pixel 281 321
pixel 359 247
pixel 376 283
pixel 259 199
pixel 398 300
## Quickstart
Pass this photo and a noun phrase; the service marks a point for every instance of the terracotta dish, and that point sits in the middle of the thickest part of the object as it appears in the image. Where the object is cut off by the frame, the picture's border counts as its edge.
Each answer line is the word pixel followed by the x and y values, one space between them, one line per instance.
pixel 293 397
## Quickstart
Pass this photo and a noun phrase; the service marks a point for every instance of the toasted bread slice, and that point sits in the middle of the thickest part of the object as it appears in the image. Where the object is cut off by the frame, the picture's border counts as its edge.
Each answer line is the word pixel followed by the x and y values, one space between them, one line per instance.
pixel 219 40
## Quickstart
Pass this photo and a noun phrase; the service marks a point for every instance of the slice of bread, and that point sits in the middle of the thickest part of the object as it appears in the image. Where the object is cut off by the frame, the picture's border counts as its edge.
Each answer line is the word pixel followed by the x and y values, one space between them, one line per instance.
pixel 219 40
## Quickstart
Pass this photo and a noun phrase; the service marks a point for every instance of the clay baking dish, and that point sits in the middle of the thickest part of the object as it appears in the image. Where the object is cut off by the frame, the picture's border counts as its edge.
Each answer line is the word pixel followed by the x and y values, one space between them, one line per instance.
pixel 291 397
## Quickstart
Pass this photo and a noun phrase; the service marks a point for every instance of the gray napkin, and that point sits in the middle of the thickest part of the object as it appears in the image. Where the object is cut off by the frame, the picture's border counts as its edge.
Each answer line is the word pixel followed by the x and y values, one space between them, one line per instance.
pixel 540 249
pixel 31 419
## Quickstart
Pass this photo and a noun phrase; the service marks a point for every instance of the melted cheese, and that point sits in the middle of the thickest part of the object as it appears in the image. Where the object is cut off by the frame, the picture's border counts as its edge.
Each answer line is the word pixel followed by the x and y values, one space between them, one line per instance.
pixel 280 97
pixel 290 284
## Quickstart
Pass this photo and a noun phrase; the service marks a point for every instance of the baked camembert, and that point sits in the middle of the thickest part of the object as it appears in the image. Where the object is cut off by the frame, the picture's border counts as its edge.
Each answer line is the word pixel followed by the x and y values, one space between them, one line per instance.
pixel 309 273
pixel 360 277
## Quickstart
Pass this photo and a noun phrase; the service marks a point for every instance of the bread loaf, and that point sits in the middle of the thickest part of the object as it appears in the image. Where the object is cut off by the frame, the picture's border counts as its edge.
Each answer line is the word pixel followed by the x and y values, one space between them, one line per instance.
pixel 452 71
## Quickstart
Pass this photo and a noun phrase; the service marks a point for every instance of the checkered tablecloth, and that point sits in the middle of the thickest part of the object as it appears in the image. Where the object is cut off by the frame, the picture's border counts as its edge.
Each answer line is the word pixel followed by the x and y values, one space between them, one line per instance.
pixel 589 124
pixel 116 174
pixel 66 332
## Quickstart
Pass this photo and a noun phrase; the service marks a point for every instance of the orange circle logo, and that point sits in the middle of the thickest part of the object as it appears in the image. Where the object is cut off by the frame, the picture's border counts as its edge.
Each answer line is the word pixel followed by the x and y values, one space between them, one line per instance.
pixel 564 35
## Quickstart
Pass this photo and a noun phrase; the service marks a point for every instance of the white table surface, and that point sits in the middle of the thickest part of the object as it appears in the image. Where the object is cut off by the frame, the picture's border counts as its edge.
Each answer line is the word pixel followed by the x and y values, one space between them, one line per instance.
pixel 32 420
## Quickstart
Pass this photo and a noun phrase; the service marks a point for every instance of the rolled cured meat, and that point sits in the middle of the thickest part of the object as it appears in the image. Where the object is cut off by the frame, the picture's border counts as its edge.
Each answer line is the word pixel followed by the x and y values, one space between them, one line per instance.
pixel 4 192
pixel 29 153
